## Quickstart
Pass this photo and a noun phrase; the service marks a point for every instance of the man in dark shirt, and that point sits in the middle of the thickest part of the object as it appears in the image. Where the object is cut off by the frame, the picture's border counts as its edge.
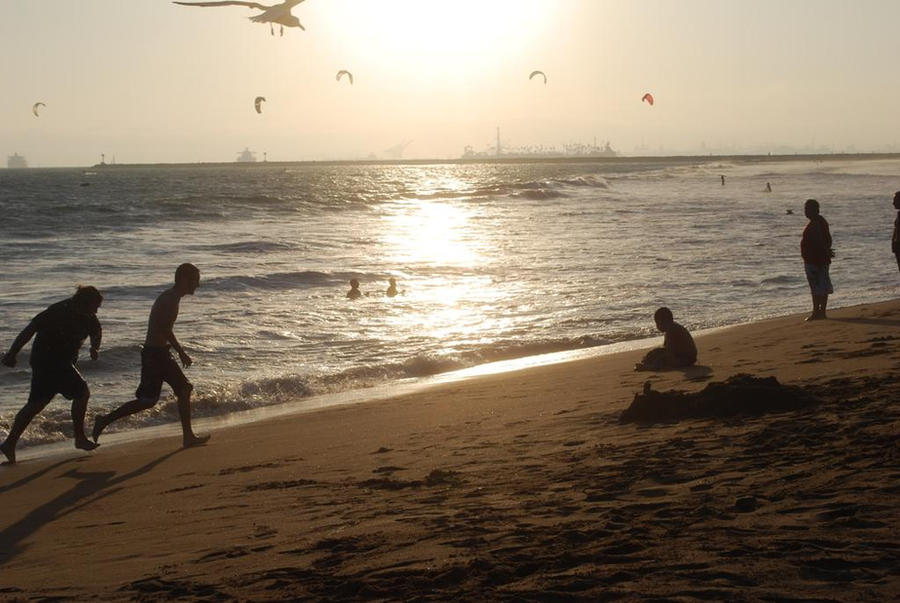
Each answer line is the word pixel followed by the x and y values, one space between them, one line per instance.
pixel 815 248
pixel 60 331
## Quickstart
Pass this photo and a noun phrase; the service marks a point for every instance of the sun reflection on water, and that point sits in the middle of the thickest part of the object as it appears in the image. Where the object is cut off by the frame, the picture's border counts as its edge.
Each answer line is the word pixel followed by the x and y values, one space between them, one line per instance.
pixel 430 232
pixel 445 238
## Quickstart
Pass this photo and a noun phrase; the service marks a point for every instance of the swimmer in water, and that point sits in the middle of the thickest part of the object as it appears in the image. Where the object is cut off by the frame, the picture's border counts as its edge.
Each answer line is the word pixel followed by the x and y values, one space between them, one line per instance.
pixel 354 292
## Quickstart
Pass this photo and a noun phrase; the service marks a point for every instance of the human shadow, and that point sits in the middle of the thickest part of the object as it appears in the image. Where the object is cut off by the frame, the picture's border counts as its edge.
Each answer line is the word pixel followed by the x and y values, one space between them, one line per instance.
pixel 34 475
pixel 90 487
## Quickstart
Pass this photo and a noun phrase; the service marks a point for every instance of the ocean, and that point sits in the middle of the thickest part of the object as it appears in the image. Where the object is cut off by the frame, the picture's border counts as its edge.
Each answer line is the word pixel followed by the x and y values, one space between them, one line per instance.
pixel 493 261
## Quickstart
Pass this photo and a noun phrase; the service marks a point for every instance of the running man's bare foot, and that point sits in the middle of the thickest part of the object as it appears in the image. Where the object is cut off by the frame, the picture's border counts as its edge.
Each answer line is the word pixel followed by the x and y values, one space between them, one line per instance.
pixel 85 444
pixel 194 440
pixel 10 452
pixel 99 425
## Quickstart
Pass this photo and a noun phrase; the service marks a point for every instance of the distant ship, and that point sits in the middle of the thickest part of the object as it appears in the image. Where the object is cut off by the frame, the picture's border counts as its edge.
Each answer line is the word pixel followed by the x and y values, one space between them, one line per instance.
pixel 246 156
pixel 16 161
pixel 540 152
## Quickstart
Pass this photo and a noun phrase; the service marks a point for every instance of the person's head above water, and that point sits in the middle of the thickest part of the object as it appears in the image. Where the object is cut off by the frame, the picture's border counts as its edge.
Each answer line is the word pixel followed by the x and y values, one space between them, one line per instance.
pixel 811 208
pixel 663 318
pixel 187 278
pixel 354 284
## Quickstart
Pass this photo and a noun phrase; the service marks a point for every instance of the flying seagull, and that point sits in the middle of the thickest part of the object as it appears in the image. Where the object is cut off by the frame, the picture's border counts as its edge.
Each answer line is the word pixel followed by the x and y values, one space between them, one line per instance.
pixel 277 13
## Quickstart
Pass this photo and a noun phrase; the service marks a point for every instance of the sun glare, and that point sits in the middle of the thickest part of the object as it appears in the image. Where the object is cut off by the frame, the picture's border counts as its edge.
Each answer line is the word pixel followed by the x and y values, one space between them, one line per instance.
pixel 429 233
pixel 450 37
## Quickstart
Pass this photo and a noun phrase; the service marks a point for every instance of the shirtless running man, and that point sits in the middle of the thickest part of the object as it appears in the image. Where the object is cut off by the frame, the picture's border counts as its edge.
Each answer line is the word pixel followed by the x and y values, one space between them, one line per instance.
pixel 157 364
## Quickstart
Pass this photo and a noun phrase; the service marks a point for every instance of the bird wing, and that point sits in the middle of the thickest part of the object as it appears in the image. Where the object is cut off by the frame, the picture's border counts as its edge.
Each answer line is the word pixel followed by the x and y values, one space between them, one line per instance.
pixel 289 4
pixel 226 3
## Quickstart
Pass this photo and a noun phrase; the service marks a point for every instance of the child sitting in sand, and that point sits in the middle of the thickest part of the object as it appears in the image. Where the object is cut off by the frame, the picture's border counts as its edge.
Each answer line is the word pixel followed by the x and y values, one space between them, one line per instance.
pixel 678 349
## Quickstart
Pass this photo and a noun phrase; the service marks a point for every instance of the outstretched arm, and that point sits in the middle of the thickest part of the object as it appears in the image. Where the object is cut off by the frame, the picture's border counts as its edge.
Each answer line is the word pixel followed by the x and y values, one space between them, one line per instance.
pixel 27 333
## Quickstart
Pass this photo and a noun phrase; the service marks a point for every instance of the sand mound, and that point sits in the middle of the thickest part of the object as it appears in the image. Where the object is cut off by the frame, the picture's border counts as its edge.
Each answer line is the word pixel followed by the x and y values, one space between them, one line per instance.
pixel 737 395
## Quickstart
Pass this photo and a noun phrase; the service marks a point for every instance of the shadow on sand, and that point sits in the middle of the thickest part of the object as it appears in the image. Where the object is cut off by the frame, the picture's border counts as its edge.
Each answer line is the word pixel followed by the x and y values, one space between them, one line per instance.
pixel 89 487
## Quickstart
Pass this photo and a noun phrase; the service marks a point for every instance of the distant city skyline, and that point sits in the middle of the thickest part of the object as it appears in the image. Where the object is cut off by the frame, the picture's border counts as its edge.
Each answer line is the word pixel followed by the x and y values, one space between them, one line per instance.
pixel 149 81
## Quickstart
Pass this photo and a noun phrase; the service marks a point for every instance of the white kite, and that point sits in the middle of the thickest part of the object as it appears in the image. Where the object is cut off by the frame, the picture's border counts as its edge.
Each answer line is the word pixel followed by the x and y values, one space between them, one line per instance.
pixel 342 73
pixel 277 13
pixel 34 108
pixel 258 103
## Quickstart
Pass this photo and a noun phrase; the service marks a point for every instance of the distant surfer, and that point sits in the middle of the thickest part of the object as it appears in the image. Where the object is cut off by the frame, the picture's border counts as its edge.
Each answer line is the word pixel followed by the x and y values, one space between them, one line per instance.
pixel 768 187
pixel 678 351
pixel 60 330
pixel 157 364
pixel 354 292
pixel 392 287
pixel 723 179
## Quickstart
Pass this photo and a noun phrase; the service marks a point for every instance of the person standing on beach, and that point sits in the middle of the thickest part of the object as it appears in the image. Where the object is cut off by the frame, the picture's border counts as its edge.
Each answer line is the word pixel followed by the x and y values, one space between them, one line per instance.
pixel 815 248
pixel 60 330
pixel 157 364
pixel 895 238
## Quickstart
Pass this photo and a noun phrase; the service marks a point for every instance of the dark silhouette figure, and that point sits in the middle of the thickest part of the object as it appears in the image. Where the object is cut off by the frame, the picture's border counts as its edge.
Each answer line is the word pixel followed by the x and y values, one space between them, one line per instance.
pixel 815 248
pixel 768 187
pixel 157 364
pixel 354 292
pixel 392 287
pixel 723 179
pixel 60 330
pixel 276 13
pixel 678 351
pixel 895 238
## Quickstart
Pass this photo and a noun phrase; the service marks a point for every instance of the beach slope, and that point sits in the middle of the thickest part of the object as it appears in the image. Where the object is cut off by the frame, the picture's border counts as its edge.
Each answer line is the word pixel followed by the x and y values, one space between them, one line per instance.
pixel 523 485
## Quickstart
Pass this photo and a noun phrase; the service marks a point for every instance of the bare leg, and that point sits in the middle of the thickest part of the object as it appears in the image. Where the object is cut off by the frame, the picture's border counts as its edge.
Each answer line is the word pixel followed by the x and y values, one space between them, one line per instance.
pixel 9 451
pixel 823 302
pixel 129 408
pixel 23 418
pixel 79 406
pixel 815 309
pixel 189 438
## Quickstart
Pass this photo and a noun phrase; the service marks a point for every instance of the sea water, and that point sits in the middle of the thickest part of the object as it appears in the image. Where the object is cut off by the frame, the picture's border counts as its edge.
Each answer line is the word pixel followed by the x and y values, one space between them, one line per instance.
pixel 493 261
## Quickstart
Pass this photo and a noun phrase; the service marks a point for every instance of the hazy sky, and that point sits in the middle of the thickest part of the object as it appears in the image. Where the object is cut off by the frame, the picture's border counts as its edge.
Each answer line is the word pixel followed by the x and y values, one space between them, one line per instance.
pixel 150 81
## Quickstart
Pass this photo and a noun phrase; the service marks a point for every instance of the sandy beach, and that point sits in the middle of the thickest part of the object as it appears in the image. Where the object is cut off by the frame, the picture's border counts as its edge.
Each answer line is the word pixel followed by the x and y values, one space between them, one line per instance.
pixel 523 485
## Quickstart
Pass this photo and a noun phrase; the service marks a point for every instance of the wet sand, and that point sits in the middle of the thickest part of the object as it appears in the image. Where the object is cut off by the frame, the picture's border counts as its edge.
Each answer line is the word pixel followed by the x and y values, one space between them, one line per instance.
pixel 522 485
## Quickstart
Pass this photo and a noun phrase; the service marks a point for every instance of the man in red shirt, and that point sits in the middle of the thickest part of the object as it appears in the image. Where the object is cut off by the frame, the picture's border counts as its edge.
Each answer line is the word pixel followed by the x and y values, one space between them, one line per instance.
pixel 815 248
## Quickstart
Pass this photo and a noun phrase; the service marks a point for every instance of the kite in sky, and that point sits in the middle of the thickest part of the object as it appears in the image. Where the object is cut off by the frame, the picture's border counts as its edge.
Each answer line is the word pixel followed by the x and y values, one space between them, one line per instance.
pixel 258 103
pixel 538 72
pixel 34 108
pixel 343 72
pixel 648 98
pixel 277 13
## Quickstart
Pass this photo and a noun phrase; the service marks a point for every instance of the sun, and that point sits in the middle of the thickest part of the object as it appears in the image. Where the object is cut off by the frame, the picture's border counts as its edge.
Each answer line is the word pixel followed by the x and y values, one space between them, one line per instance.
pixel 436 36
